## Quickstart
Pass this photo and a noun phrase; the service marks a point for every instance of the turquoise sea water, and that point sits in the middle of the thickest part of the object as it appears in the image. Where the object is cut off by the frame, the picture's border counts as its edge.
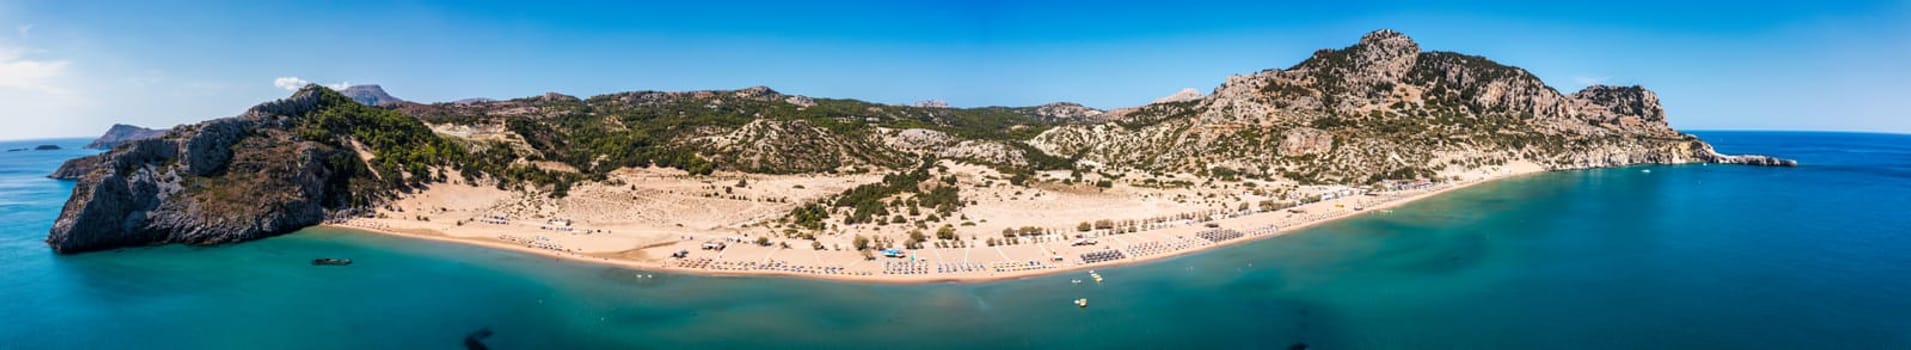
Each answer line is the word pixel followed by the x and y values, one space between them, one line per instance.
pixel 1678 257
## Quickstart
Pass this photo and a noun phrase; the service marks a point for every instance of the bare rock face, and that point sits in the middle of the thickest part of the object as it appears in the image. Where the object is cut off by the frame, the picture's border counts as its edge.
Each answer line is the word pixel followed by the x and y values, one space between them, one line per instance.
pixel 800 101
pixel 225 180
pixel 1306 141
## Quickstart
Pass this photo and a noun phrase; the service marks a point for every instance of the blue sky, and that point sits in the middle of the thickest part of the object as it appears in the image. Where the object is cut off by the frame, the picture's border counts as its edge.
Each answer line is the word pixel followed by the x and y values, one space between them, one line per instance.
pixel 70 68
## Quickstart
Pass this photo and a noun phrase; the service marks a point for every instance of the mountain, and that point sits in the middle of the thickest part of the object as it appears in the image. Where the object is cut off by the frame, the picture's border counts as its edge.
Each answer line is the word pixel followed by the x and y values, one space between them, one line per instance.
pixel 1383 109
pixel 121 133
pixel 369 95
pixel 279 167
pixel 1379 110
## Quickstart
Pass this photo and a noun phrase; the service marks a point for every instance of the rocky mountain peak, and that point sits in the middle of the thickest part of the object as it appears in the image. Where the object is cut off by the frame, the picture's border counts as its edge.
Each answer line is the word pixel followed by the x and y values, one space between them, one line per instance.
pixel 1388 38
pixel 1386 53
pixel 369 95
pixel 758 91
pixel 308 98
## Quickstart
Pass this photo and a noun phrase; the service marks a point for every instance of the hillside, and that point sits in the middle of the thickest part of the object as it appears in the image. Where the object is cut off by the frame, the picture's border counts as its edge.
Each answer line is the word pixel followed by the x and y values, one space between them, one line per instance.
pixel 1377 111
pixel 279 167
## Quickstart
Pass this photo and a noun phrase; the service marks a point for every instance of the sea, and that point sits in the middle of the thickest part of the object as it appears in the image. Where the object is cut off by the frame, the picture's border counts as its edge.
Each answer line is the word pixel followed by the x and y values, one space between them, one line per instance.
pixel 1643 257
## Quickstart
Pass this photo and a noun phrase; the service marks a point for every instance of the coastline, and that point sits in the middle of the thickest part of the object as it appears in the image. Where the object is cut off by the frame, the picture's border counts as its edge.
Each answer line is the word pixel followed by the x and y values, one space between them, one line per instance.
pixel 1328 206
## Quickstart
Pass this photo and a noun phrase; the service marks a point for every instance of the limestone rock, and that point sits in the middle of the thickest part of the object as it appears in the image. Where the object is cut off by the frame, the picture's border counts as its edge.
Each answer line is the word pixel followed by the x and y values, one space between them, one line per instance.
pixel 1306 141
pixel 178 189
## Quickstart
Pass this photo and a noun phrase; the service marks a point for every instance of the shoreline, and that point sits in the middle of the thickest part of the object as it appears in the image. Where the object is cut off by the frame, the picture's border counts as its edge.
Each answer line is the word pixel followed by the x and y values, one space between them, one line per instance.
pixel 664 265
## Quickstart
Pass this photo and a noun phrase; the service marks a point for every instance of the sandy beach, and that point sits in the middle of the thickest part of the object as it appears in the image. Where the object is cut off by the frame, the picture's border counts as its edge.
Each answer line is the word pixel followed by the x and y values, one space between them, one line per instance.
pixel 644 217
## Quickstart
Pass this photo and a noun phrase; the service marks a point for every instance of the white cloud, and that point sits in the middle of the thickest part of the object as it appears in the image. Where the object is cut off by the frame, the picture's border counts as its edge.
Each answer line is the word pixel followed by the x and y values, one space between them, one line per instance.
pixel 24 29
pixel 22 73
pixel 39 89
pixel 294 83
pixel 289 83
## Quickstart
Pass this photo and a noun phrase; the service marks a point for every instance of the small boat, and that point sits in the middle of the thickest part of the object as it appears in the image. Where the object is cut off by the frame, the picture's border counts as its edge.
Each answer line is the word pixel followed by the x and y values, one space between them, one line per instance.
pixel 331 262
pixel 1648 171
pixel 1097 276
pixel 1075 281
pixel 1081 303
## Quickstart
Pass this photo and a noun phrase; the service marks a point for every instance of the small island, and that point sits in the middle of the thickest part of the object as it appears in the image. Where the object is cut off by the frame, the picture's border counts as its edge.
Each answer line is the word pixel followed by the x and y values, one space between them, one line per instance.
pixel 37 148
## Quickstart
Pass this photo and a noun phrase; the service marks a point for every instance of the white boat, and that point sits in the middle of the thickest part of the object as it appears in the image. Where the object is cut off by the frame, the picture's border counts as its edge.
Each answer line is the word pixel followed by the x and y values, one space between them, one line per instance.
pixel 1081 303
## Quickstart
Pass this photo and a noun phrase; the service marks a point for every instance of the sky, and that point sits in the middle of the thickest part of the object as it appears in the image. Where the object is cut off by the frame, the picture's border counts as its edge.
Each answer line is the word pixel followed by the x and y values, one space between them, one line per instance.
pixel 72 68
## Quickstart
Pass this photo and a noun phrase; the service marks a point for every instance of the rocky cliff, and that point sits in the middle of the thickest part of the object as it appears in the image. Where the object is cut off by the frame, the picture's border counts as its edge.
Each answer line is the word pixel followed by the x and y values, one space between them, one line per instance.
pixel 262 173
pixel 121 133
pixel 75 168
pixel 1384 109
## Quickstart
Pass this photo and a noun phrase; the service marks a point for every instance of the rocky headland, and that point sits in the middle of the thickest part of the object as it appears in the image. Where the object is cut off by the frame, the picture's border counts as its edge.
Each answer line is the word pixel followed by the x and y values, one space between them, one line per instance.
pixel 274 169
pixel 1381 111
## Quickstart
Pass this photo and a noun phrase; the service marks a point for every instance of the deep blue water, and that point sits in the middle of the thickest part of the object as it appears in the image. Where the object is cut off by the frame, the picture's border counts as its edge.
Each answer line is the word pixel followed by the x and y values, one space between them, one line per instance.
pixel 1681 257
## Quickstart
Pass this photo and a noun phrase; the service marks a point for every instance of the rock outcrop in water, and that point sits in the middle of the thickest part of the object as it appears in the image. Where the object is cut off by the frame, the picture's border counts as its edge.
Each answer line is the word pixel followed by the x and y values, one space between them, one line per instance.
pixel 122 133
pixel 268 171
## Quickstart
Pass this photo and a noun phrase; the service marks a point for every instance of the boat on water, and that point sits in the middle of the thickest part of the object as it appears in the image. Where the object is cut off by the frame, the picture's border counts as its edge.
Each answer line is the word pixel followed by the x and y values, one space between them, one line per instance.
pixel 1075 281
pixel 1081 303
pixel 331 262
